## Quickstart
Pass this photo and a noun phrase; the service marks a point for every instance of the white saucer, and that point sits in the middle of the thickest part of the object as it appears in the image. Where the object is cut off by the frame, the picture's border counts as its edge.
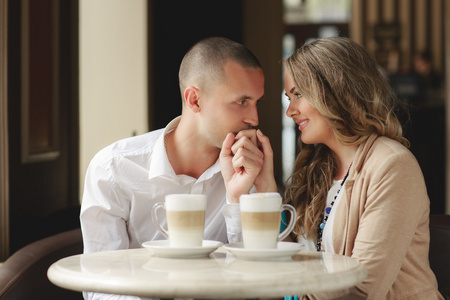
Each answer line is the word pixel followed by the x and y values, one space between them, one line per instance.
pixel 161 248
pixel 284 250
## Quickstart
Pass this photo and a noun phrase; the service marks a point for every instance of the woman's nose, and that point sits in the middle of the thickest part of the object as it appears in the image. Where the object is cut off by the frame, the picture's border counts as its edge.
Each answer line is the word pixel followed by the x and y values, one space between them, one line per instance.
pixel 291 111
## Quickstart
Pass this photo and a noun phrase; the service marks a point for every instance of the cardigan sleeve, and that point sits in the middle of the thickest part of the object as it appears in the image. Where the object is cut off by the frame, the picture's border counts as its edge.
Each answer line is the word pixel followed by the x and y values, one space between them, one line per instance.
pixel 396 202
pixel 389 200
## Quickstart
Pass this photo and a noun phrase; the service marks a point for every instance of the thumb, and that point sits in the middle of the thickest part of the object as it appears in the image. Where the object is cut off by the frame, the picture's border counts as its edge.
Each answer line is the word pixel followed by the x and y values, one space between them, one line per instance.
pixel 265 145
pixel 226 146
pixel 226 157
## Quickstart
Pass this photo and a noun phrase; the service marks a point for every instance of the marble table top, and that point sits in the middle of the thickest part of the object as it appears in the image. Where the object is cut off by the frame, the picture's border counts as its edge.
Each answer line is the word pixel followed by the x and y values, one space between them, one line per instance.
pixel 220 275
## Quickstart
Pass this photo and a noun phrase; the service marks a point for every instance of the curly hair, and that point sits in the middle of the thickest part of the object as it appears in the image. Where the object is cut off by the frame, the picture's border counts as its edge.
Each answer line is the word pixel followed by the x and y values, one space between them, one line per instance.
pixel 346 85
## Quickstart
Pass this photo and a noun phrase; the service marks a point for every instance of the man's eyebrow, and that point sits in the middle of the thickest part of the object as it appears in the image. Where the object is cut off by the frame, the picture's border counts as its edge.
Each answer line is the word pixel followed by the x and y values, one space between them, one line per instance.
pixel 245 97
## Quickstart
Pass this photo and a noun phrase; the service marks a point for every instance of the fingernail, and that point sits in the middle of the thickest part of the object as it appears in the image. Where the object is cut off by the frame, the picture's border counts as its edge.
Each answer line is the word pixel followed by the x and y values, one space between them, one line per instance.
pixel 260 132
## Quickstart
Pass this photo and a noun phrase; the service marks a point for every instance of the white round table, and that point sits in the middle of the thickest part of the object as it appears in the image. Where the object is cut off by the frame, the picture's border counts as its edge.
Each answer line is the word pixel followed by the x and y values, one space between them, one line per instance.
pixel 221 275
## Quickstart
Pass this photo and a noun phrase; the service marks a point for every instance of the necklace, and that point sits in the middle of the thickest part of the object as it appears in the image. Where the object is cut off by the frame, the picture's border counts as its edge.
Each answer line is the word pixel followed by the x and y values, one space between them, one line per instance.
pixel 319 247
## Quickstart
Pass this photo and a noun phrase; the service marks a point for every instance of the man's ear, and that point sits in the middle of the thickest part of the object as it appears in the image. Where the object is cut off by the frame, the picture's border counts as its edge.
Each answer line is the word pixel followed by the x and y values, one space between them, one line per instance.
pixel 192 97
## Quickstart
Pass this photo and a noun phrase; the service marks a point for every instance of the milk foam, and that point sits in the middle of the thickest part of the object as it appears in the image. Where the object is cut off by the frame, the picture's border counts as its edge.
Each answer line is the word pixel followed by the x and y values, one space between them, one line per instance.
pixel 185 202
pixel 260 202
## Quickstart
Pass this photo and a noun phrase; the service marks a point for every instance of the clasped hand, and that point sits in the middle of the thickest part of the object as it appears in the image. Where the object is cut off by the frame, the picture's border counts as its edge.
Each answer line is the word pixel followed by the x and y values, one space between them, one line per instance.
pixel 246 160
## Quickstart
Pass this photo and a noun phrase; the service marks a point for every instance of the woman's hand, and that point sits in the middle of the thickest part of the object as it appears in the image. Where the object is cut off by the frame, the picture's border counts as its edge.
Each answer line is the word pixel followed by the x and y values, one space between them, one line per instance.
pixel 246 160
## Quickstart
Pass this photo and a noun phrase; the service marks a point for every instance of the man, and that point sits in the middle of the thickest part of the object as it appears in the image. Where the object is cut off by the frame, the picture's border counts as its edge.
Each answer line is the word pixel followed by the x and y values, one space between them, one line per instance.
pixel 221 83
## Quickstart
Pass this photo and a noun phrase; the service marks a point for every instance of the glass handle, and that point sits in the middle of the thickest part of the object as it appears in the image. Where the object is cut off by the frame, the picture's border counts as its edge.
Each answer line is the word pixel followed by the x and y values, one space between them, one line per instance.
pixel 155 221
pixel 290 226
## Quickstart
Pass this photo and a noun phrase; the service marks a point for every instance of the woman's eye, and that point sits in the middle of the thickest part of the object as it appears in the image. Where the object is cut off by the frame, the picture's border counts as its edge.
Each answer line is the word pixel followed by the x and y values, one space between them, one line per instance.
pixel 297 96
pixel 240 102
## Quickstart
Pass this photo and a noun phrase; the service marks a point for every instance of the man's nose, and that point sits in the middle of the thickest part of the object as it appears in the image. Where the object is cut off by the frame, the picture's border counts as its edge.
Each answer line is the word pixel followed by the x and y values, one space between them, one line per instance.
pixel 252 117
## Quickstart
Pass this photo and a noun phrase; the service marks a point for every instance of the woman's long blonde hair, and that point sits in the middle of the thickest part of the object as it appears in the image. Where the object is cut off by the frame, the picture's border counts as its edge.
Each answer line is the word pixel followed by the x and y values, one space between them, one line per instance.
pixel 346 86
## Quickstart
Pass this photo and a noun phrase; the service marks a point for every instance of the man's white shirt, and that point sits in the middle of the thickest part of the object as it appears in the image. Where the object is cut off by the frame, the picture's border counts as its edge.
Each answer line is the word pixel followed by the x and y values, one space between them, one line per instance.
pixel 125 180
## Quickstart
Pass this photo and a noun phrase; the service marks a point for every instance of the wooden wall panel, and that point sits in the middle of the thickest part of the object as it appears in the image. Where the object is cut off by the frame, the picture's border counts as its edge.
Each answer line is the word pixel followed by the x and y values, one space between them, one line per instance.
pixel 260 28
pixel 4 166
pixel 420 21
pixel 404 17
pixel 409 27
pixel 388 10
pixel 371 18
pixel 437 33
pixel 421 24
pixel 355 26
pixel 446 11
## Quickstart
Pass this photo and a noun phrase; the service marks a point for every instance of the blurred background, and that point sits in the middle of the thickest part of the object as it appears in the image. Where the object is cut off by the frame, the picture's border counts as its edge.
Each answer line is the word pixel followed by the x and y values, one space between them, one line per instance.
pixel 77 75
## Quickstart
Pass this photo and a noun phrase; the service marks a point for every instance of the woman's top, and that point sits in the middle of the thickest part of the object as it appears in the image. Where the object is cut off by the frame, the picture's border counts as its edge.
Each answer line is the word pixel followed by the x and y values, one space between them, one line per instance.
pixel 382 221
pixel 327 236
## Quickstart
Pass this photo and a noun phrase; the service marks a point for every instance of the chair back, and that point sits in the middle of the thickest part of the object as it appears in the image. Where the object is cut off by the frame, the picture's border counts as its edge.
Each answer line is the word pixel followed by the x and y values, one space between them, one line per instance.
pixel 24 274
pixel 440 251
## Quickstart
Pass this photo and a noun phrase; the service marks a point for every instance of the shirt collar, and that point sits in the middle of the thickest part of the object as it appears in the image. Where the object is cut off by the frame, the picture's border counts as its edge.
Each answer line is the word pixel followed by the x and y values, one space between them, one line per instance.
pixel 160 165
pixel 210 172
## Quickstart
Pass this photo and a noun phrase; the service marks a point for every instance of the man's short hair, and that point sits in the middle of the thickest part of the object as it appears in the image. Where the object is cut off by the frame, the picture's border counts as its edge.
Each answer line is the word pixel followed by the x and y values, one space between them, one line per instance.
pixel 204 63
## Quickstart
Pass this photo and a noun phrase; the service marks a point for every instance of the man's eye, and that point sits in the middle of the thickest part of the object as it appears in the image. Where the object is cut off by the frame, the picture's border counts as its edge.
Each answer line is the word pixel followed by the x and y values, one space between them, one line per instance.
pixel 240 102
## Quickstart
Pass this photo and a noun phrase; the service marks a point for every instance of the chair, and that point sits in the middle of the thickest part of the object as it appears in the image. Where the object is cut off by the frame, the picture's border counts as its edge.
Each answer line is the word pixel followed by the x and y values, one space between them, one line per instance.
pixel 24 274
pixel 440 251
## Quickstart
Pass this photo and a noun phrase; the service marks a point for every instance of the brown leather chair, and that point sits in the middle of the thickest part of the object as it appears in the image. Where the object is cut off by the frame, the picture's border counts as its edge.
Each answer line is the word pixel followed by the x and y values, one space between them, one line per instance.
pixel 440 251
pixel 23 276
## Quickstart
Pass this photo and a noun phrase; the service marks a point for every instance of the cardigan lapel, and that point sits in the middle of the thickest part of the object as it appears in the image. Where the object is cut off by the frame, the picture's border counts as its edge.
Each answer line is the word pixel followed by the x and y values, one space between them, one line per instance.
pixel 344 226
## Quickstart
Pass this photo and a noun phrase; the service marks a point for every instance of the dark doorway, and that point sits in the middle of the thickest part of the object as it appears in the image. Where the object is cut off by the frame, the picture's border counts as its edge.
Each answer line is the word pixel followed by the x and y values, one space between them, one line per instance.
pixel 174 26
pixel 42 118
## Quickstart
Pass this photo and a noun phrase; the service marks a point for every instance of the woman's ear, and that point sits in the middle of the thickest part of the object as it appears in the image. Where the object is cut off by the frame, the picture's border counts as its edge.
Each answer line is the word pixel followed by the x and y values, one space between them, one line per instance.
pixel 192 97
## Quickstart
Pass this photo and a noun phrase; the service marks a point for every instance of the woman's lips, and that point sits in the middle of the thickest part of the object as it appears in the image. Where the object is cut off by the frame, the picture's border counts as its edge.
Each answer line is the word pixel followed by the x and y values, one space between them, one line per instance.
pixel 302 124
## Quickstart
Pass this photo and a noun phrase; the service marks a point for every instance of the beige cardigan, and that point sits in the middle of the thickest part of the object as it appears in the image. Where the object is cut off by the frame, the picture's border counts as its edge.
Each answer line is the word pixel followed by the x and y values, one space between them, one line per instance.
pixel 383 222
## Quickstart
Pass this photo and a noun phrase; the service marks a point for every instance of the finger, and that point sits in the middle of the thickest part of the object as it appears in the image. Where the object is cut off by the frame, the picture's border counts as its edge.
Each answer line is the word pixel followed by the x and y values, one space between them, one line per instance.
pixel 247 161
pixel 244 154
pixel 225 158
pixel 244 165
pixel 245 143
pixel 265 144
pixel 265 181
pixel 250 134
pixel 226 145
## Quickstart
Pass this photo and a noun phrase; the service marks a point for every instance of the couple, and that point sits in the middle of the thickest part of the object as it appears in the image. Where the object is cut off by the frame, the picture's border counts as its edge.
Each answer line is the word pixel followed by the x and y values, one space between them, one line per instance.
pixel 358 191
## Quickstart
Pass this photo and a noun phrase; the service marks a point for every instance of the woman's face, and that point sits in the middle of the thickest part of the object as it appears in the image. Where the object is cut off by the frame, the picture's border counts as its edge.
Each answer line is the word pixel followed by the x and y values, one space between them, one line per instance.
pixel 311 123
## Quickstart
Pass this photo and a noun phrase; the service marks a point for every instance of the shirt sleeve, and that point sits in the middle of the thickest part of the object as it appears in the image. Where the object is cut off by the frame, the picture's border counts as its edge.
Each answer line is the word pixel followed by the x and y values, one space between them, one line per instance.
pixel 232 214
pixel 104 212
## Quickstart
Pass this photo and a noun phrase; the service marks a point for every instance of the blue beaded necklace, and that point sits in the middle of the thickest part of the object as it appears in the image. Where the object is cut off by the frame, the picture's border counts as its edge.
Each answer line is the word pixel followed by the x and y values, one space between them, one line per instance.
pixel 327 213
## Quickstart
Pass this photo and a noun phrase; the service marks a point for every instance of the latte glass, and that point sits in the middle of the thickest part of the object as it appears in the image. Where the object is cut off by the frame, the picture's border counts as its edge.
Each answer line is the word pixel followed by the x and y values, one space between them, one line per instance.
pixel 261 220
pixel 185 215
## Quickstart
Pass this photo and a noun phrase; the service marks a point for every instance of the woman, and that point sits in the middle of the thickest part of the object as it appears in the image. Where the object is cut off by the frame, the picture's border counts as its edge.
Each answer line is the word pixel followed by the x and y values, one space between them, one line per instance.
pixel 358 190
